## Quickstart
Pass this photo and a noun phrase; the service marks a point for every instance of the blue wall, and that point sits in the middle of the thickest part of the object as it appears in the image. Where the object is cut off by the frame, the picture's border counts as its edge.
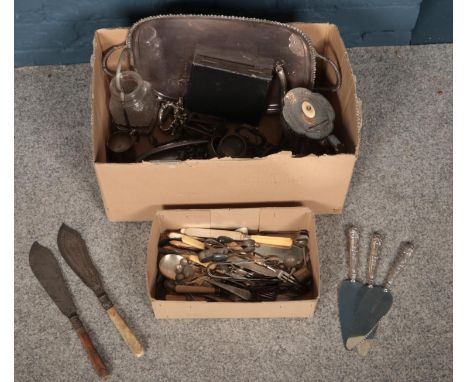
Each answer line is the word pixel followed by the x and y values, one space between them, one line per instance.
pixel 61 31
pixel 435 23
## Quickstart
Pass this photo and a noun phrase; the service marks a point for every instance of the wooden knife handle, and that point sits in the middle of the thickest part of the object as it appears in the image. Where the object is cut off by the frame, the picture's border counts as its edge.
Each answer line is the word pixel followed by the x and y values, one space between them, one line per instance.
pixel 126 333
pixel 93 355
pixel 404 253
pixel 353 252
pixel 374 254
pixel 273 240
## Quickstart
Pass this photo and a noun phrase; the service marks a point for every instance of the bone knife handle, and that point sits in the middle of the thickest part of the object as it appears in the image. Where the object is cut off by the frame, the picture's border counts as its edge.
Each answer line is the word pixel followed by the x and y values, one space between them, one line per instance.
pixel 93 355
pixel 405 252
pixel 192 242
pixel 125 332
pixel 374 254
pixel 278 241
pixel 353 250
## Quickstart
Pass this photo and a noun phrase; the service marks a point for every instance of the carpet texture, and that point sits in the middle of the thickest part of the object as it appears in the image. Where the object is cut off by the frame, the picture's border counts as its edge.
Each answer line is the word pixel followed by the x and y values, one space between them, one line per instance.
pixel 402 185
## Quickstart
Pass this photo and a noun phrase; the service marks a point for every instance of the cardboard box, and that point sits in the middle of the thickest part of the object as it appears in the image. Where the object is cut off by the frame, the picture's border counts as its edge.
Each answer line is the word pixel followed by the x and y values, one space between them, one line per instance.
pixel 135 191
pixel 256 219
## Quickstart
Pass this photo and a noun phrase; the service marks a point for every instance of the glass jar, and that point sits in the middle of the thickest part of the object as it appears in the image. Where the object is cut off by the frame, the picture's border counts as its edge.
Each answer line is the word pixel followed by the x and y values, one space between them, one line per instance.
pixel 132 102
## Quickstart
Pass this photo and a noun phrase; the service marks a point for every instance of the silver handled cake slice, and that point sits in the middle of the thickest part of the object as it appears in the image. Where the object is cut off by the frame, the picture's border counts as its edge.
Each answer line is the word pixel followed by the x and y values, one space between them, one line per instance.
pixel 372 262
pixel 377 301
pixel 350 289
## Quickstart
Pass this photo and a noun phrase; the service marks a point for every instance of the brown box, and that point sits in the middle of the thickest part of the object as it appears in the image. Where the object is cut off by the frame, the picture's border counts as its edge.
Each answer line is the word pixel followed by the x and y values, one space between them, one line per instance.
pixel 255 219
pixel 135 191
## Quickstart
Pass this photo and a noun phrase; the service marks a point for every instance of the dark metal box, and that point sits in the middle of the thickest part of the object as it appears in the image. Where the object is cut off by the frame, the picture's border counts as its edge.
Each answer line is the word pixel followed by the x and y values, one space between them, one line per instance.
pixel 232 86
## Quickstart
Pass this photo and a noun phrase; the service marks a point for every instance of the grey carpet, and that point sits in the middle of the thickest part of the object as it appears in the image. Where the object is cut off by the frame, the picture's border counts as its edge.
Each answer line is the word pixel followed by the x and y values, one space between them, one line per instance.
pixel 402 185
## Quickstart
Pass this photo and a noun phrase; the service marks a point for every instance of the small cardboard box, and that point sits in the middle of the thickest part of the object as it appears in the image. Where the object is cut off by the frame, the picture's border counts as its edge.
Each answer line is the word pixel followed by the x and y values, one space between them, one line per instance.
pixel 255 219
pixel 135 191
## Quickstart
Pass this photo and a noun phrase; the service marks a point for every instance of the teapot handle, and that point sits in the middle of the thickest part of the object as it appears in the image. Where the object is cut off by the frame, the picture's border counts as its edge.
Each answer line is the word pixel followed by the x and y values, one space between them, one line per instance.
pixel 334 66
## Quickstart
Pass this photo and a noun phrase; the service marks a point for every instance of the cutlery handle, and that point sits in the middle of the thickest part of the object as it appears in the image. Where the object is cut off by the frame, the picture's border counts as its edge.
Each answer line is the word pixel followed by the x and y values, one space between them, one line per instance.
pixel 93 355
pixel 244 294
pixel 125 332
pixel 375 245
pixel 195 259
pixel 214 233
pixel 273 240
pixel 193 242
pixel 353 251
pixel 405 252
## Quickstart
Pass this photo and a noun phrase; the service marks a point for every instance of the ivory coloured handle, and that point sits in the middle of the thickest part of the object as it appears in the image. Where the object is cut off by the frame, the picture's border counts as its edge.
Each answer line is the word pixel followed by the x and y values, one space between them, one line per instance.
pixel 126 333
pixel 273 240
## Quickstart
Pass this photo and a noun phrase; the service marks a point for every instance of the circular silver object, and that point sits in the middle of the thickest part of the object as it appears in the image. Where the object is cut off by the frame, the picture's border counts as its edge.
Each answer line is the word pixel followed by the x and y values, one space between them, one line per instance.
pixel 307 113
pixel 168 264
pixel 120 142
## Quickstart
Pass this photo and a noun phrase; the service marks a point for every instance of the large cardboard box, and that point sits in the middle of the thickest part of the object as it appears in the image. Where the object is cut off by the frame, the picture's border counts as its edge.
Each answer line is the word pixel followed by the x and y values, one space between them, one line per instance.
pixel 255 219
pixel 135 191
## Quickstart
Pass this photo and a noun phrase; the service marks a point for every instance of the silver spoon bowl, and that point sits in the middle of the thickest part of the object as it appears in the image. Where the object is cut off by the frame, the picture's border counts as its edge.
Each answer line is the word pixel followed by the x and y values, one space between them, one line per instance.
pixel 168 264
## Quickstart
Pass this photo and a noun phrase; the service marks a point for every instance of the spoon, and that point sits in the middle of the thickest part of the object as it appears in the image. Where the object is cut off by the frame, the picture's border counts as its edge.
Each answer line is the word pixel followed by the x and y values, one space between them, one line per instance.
pixel 168 264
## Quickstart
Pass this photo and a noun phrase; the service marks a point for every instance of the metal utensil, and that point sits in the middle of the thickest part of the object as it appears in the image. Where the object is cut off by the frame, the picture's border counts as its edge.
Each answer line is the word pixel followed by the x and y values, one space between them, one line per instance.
pixel 268 271
pixel 261 239
pixel 266 250
pixel 377 301
pixel 240 292
pixel 246 245
pixel 372 262
pixel 120 147
pixel 214 254
pixel 348 293
pixel 190 241
pixel 171 146
pixel 232 145
pixel 74 251
pixel 46 269
pixel 168 264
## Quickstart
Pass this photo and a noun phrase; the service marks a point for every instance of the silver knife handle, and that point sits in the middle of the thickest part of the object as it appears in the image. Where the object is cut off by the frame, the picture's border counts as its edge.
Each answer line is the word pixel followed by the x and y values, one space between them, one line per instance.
pixel 353 251
pixel 374 254
pixel 405 252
